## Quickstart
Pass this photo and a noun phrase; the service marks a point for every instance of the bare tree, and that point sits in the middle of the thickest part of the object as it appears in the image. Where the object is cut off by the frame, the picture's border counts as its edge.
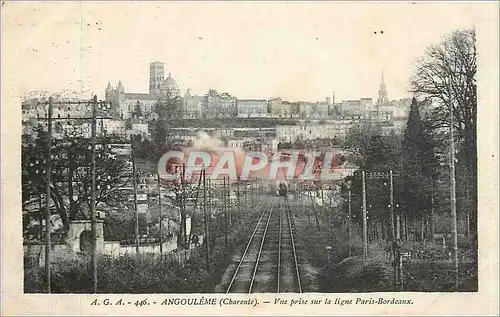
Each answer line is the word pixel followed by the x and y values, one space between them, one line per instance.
pixel 71 168
pixel 447 75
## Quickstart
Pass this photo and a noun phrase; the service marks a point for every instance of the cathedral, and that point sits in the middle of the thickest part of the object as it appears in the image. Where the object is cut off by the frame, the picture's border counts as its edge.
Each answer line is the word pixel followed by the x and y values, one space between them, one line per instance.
pixel 127 104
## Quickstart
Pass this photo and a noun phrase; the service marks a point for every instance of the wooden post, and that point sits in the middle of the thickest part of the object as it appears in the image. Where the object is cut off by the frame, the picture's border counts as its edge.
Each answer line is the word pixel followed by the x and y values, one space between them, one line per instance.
pixel 93 221
pixel 238 200
pixel 432 218
pixel 161 216
pixel 229 203
pixel 47 196
pixel 207 239
pixel 453 202
pixel 365 229
pixel 183 207
pixel 224 205
pixel 349 220
pixel 135 199
pixel 393 230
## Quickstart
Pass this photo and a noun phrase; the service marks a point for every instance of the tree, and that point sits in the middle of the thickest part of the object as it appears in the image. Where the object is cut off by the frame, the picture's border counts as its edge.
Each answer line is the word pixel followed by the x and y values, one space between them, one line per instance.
pixel 159 139
pixel 137 110
pixel 357 141
pixel 71 175
pixel 373 151
pixel 447 75
pixel 169 108
pixel 419 167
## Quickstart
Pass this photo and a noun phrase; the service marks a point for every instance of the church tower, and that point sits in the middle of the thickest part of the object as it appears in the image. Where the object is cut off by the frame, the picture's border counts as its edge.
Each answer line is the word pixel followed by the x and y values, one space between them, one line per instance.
pixel 156 77
pixel 382 96
pixel 109 92
pixel 382 92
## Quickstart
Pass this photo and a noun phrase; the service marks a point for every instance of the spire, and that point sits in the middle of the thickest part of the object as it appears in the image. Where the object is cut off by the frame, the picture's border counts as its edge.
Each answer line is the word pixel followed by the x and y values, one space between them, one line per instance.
pixel 382 92
pixel 120 87
pixel 109 86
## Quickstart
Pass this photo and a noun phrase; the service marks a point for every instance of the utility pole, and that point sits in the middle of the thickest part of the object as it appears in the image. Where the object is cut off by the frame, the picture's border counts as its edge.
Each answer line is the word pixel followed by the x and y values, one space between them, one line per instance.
pixel 349 240
pixel 194 209
pixel 330 211
pixel 210 207
pixel 453 193
pixel 365 229
pixel 224 208
pixel 161 217
pixel 253 193
pixel 135 198
pixel 238 200
pixel 183 208
pixel 395 252
pixel 432 217
pixel 47 197
pixel 93 221
pixel 391 202
pixel 229 206
pixel 207 239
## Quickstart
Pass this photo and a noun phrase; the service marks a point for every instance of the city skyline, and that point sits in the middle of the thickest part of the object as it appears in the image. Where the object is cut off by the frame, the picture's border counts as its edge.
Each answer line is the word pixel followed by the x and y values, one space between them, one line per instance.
pixel 307 54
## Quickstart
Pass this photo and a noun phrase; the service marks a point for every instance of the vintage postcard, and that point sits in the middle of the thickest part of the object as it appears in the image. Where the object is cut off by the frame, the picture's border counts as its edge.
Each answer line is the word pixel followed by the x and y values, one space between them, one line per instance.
pixel 249 158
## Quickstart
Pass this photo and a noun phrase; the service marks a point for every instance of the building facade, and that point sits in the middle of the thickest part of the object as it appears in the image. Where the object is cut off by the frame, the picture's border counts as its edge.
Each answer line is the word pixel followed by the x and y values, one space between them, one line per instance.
pixel 251 108
pixel 142 105
pixel 219 105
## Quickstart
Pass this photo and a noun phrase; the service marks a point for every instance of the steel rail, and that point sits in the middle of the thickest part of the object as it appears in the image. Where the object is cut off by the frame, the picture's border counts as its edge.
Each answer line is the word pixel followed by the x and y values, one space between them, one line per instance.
pixel 293 246
pixel 247 247
pixel 260 248
pixel 279 247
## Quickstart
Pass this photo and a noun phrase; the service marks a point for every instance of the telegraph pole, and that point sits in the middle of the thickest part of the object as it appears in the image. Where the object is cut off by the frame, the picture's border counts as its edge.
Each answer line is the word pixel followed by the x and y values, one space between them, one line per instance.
pixel 349 218
pixel 391 184
pixel 207 239
pixel 47 198
pixel 93 221
pixel 161 217
pixel 395 252
pixel 330 226
pixel 453 194
pixel 183 207
pixel 238 196
pixel 365 229
pixel 224 208
pixel 135 199
pixel 229 206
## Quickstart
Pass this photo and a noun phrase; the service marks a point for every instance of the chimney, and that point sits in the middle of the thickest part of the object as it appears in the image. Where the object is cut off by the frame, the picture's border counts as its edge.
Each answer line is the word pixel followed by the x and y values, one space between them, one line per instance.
pixel 333 97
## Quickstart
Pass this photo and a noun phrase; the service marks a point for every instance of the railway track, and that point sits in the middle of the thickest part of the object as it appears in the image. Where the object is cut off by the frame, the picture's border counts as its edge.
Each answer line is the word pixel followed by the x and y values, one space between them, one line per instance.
pixel 269 263
pixel 288 266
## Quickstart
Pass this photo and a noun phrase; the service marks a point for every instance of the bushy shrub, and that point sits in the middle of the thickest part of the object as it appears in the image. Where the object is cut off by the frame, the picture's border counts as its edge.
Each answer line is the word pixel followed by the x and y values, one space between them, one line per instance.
pixel 439 277
pixel 356 274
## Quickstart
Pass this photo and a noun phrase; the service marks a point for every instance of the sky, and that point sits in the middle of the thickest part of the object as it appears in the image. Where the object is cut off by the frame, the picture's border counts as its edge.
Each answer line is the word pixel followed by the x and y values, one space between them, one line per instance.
pixel 295 50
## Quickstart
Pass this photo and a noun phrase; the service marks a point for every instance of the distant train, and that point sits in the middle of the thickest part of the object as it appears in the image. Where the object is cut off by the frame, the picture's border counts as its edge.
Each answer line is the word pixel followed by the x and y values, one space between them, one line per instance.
pixel 282 190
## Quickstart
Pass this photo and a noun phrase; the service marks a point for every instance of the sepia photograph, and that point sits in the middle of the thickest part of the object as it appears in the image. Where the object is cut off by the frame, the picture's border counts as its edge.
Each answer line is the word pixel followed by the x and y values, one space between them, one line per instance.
pixel 246 147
